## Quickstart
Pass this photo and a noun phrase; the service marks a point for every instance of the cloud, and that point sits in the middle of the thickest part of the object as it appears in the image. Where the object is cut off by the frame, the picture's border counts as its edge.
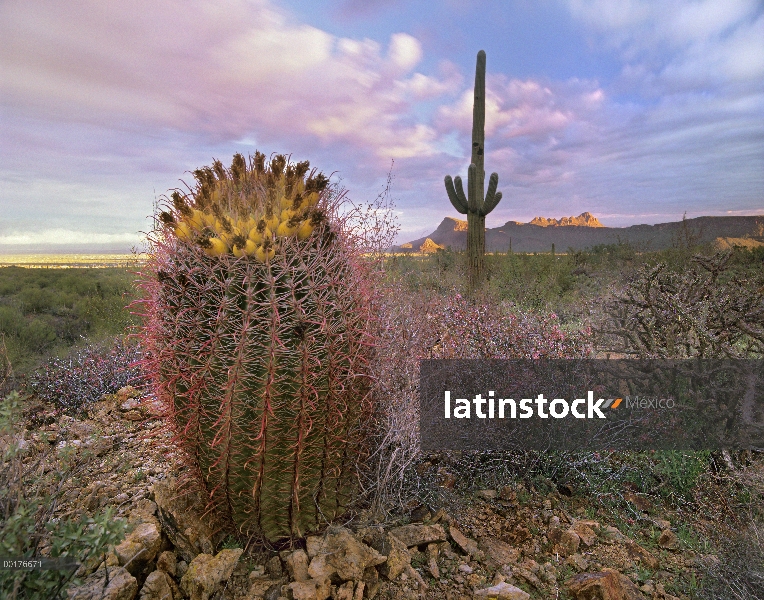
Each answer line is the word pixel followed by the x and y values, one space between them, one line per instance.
pixel 238 70
pixel 683 45
pixel 50 237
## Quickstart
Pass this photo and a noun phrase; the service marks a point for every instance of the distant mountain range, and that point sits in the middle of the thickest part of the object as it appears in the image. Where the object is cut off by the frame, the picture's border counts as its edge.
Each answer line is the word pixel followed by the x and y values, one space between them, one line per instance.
pixel 585 231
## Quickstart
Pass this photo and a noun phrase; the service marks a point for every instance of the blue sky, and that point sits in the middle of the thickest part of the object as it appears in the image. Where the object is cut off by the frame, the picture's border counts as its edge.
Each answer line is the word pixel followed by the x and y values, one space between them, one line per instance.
pixel 635 111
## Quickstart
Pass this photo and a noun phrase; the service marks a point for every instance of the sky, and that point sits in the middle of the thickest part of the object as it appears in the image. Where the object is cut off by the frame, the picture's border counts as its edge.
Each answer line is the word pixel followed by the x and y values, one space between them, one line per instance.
pixel 636 111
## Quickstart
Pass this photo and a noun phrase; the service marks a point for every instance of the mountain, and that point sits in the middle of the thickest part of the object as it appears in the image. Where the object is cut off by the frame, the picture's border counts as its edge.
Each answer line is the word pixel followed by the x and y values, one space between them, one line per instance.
pixel 586 219
pixel 585 231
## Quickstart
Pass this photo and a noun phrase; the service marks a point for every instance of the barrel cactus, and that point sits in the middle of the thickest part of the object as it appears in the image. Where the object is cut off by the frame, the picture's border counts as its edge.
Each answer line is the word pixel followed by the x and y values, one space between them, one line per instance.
pixel 257 320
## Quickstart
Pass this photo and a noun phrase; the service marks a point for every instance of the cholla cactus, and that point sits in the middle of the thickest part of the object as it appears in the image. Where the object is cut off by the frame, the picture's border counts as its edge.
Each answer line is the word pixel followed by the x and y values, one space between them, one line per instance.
pixel 257 330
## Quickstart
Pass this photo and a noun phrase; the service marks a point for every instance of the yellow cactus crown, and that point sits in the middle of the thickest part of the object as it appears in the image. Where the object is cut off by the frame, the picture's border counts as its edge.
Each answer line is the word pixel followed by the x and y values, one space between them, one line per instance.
pixel 246 209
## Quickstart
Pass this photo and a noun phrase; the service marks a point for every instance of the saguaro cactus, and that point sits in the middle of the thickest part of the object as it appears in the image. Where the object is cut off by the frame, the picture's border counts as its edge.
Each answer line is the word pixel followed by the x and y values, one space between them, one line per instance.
pixel 475 205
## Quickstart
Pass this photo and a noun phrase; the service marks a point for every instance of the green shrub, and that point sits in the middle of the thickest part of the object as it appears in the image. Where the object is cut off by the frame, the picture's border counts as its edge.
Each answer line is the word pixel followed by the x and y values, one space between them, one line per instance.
pixel 27 500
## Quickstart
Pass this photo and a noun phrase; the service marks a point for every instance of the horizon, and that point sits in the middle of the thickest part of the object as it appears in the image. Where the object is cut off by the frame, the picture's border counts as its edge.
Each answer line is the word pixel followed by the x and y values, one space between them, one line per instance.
pixel 636 112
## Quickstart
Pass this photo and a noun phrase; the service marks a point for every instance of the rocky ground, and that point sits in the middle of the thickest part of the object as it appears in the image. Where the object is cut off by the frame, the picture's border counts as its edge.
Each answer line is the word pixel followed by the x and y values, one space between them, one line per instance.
pixel 509 543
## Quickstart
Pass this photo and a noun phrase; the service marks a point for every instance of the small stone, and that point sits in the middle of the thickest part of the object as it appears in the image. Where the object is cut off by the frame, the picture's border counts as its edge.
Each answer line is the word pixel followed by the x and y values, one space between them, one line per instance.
pixel 639 553
pixel 432 560
pixel 297 565
pixel 661 523
pixel 181 569
pixel 585 532
pixel 420 513
pixel 168 562
pixel 345 591
pixel 121 586
pixel 273 568
pixel 260 587
pixel 607 584
pixel 668 540
pixel 487 494
pixel 468 545
pixel 613 535
pixel 312 589
pixel 416 534
pixel 498 552
pixel 157 587
pixel 502 591
pixel 397 553
pixel 206 573
pixel 465 568
pixel 139 548
pixel 578 562
pixel 569 542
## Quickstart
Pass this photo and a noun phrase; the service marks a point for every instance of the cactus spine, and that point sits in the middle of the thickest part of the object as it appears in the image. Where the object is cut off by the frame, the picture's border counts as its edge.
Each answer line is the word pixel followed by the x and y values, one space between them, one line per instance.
pixel 475 205
pixel 256 322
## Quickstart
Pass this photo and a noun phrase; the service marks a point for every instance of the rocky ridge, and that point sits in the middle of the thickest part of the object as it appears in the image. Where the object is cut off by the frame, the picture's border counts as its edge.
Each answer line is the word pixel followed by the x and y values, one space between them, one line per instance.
pixel 503 544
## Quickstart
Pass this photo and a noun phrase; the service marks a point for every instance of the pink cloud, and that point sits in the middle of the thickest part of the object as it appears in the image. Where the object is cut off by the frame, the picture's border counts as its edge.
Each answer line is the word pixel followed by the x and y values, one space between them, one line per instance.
pixel 243 71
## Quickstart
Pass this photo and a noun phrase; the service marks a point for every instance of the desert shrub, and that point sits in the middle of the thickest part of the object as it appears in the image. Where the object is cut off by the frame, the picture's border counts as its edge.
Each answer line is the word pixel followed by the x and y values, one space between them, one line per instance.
pixel 83 377
pixel 27 503
pixel 420 326
pixel 703 312
pixel 44 312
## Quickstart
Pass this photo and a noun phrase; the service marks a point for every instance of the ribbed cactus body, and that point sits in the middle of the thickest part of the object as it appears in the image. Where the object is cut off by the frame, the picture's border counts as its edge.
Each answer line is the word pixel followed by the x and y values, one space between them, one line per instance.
pixel 261 362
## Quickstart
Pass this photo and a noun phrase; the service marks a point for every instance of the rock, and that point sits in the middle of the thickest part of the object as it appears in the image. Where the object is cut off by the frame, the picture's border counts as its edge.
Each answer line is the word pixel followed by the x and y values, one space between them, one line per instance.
pixel 312 589
pixel 345 591
pixel 206 573
pixel 578 562
pixel 487 494
pixel 143 511
pixel 179 516
pixel 338 551
pixel 273 592
pixel 607 584
pixel 526 572
pixel 320 568
pixel 420 513
pixel 259 586
pixel 181 569
pixel 397 553
pixel 637 552
pixel 502 591
pixel 668 540
pixel 273 567
pixel 139 548
pixel 465 568
pixel 468 545
pixel 157 587
pixel 566 541
pixel 370 584
pixel 297 565
pixel 613 535
pixel 168 562
pixel 121 586
pixel 585 532
pixel 497 552
pixel 432 560
pixel 416 534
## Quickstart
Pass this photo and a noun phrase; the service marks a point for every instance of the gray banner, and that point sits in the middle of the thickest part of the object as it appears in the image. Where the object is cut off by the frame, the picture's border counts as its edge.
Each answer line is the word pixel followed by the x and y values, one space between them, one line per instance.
pixel 591 404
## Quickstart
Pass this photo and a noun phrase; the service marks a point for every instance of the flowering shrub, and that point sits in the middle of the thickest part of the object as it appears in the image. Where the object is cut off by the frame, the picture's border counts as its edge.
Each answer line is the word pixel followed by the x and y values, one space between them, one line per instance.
pixel 85 376
pixel 416 326
pixel 468 330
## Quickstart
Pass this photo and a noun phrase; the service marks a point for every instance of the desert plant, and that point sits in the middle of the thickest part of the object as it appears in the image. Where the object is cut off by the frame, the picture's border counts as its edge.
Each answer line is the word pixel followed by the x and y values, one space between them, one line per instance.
pixel 257 312
pixel 702 312
pixel 28 500
pixel 475 205
pixel 81 379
